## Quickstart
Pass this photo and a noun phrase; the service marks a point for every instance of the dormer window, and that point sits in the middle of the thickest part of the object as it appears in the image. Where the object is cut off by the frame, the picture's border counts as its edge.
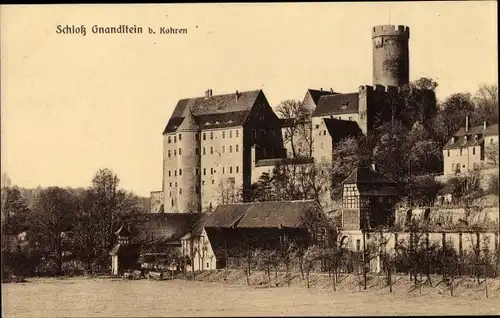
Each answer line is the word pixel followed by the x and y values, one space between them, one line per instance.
pixel 452 140
pixel 344 106
pixel 476 137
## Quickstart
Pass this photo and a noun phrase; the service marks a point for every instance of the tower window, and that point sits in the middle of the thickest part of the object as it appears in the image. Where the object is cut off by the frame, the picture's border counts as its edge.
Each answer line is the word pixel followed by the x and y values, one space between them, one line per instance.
pixel 213 181
pixel 237 169
pixel 211 150
pixel 204 136
pixel 176 184
pixel 197 151
pixel 230 149
pixel 473 150
pixel 197 171
pixel 180 136
pixel 237 148
pixel 180 172
pixel 460 152
pixel 211 135
pixel 175 139
pixel 170 184
pixel 448 152
pixel 180 152
pixel 230 134
pixel 223 149
pixel 172 202
pixel 223 170
pixel 204 171
pixel 175 172
pixel 169 173
pixel 237 133
pixel 175 152
pixel 196 137
pixel 223 134
pixel 231 169
pixel 169 153
pixel 169 140
pixel 263 132
pixel 204 151
pixel 211 170
pixel 180 190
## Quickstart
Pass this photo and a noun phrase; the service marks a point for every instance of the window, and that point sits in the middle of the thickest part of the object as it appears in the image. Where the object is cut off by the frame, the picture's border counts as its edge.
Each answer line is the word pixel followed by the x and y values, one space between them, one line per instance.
pixel 263 132
pixel 237 148
pixel 172 202
pixel 231 169
pixel 180 136
pixel 180 191
pixel 321 145
pixel 197 189
pixel 237 133
pixel 175 152
pixel 324 132
pixel 317 126
pixel 211 135
pixel 197 171
pixel 211 150
pixel 460 152
pixel 175 139
pixel 196 137
pixel 350 118
pixel 237 169
pixel 491 141
pixel 340 117
pixel 358 245
pixel 211 170
pixel 169 173
pixel 204 171
pixel 197 151
pixel 170 194
pixel 213 181
pixel 175 172
pixel 169 140
pixel 204 150
pixel 272 151
pixel 176 184
pixel 170 184
pixel 169 153
pixel 264 152
pixel 473 150
pixel 230 134
pixel 223 170
pixel 223 149
pixel 223 134
pixel 203 182
pixel 254 133
pixel 180 152
pixel 180 172
pixel 272 133
pixel 230 149
pixel 448 152
pixel 204 136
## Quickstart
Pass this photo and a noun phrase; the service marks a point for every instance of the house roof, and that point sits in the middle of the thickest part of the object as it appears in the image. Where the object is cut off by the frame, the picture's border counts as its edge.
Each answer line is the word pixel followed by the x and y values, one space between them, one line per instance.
pixel 283 161
pixel 162 227
pixel 316 94
pixel 216 111
pixel 337 104
pixel 365 175
pixel 189 123
pixel 491 130
pixel 340 129
pixel 122 231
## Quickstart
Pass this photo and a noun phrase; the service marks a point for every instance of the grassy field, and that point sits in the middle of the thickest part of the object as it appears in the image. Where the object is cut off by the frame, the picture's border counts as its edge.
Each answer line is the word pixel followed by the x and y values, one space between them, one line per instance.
pixel 79 297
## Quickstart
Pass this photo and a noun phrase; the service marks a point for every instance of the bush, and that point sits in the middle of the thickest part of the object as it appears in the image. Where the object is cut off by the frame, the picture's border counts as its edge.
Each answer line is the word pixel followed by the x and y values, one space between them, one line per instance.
pixel 493 187
pixel 73 268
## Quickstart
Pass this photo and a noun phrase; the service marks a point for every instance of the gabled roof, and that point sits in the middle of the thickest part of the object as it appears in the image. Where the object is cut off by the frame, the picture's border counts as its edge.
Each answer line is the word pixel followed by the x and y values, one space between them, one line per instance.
pixel 316 94
pixel 337 104
pixel 216 111
pixel 162 227
pixel 122 231
pixel 490 130
pixel 271 214
pixel 366 175
pixel 189 123
pixel 340 129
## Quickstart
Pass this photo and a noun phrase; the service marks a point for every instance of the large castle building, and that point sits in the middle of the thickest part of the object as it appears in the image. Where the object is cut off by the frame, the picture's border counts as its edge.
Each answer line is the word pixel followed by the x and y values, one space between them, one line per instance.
pixel 215 146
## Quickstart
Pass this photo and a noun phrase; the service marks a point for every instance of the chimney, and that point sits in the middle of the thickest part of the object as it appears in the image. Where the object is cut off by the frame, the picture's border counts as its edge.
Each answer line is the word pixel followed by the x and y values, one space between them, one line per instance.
pixel 321 89
pixel 485 125
pixel 208 93
pixel 331 90
pixel 466 123
pixel 237 94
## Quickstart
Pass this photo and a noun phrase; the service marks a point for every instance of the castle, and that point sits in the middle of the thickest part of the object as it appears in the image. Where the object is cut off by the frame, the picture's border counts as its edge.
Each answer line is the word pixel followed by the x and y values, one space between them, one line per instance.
pixel 217 144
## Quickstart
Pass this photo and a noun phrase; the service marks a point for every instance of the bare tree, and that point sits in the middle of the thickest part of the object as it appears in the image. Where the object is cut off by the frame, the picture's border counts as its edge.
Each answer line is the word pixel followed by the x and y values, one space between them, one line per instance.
pixel 264 259
pixel 311 255
pixel 298 130
pixel 227 191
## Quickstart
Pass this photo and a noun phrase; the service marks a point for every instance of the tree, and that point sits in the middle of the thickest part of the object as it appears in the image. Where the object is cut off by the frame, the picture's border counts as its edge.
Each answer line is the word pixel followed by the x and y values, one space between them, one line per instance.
pixel 6 182
pixel 452 114
pixel 227 192
pixel 311 255
pixel 486 100
pixel 264 260
pixel 298 130
pixel 50 221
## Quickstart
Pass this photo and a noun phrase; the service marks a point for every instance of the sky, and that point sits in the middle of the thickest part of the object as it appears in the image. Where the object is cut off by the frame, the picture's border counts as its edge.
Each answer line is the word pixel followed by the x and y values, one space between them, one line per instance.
pixel 72 104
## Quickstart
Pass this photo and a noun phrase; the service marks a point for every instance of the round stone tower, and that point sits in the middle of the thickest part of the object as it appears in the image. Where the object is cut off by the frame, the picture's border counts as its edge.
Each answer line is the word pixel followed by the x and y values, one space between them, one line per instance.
pixel 188 164
pixel 391 63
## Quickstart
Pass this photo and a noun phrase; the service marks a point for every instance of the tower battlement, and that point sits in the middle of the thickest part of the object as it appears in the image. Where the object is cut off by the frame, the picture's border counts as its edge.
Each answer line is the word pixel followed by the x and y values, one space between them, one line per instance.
pixel 377 88
pixel 397 30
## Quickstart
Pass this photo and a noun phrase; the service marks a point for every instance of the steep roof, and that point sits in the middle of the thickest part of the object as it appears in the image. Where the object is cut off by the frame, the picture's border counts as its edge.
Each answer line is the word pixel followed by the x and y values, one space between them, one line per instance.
pixel 188 123
pixel 216 111
pixel 316 94
pixel 122 231
pixel 490 130
pixel 462 143
pixel 340 129
pixel 162 227
pixel 283 161
pixel 337 104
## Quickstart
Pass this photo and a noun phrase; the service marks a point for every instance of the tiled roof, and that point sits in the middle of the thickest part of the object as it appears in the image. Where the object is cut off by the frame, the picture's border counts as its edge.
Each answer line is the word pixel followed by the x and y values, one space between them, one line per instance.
pixel 161 227
pixel 337 104
pixel 216 111
pixel 489 131
pixel 367 176
pixel 282 161
pixel 340 129
pixel 462 143
pixel 316 94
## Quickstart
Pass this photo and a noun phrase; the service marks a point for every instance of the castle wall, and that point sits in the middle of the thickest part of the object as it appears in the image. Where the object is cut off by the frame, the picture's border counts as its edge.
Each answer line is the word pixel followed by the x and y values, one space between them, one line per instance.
pixel 188 172
pixel 170 169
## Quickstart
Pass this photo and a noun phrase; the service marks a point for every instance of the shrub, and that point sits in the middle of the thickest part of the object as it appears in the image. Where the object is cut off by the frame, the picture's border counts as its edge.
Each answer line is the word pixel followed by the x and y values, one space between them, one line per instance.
pixel 493 187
